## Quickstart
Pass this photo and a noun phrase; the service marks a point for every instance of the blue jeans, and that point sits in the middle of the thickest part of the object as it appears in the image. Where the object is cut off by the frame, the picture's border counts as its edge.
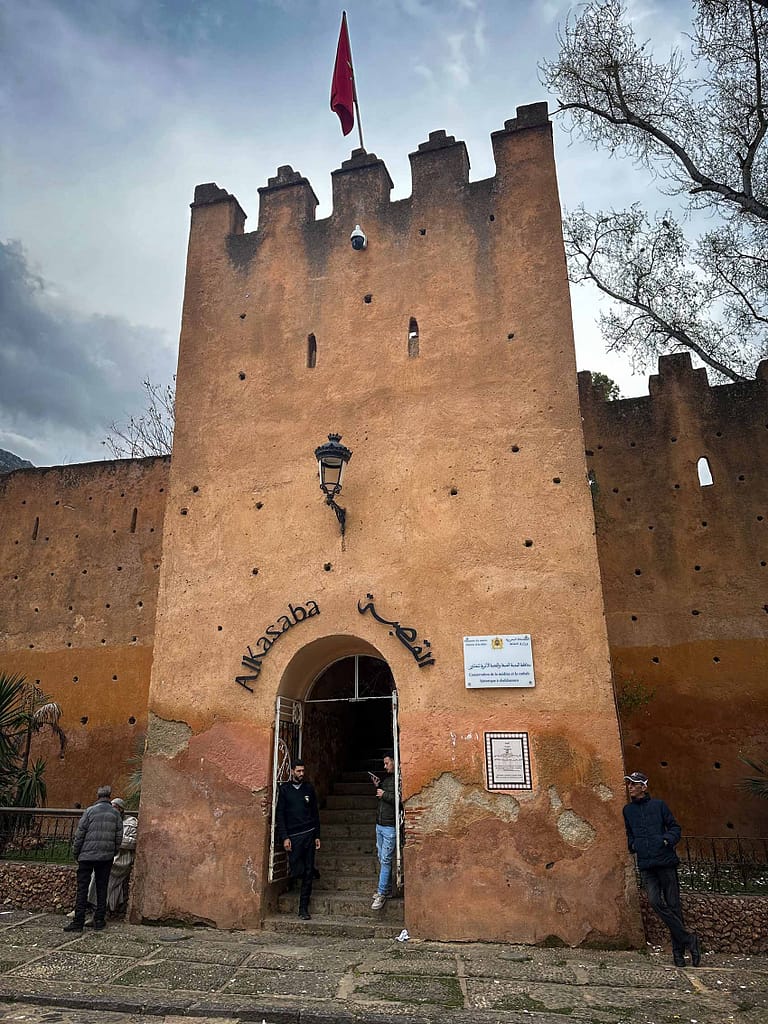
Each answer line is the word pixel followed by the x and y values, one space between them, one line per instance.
pixel 385 847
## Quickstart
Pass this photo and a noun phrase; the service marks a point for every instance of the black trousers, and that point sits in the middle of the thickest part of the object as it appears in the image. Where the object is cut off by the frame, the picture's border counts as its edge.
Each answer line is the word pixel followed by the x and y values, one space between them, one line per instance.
pixel 301 861
pixel 663 890
pixel 100 869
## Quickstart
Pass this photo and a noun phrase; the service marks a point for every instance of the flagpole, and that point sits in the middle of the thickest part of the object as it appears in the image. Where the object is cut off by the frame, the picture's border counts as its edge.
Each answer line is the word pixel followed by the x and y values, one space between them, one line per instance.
pixel 354 88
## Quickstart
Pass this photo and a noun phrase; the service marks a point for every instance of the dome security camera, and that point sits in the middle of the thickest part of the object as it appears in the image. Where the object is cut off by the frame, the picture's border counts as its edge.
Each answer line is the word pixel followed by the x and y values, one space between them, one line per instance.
pixel 358 239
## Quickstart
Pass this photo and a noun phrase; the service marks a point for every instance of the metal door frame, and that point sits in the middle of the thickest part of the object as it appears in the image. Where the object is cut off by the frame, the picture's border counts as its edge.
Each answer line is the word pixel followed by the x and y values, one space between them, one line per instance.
pixel 289 713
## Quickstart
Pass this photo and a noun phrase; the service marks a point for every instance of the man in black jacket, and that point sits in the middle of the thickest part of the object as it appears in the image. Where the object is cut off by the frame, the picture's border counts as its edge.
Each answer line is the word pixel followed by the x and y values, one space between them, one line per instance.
pixel 386 823
pixel 298 828
pixel 97 840
pixel 652 834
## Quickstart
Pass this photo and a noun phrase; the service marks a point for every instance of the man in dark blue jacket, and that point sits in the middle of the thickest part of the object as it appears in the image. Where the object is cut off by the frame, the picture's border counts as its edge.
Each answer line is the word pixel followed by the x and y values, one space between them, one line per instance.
pixel 298 828
pixel 652 834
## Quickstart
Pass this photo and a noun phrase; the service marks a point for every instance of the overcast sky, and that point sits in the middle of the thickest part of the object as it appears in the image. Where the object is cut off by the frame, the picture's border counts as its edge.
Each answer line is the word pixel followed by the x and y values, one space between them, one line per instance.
pixel 113 110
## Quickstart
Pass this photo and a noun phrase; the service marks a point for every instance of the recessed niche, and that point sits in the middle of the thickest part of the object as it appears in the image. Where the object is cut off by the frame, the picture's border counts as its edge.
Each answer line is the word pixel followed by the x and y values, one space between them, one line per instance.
pixel 184 511
pixel 311 352
pixel 139 604
pixel 704 523
pixel 242 316
pixel 368 299
pixel 729 824
pixel 638 572
pixel 84 720
pixel 327 567
pixel 716 764
pixel 254 571
pixel 716 660
pixel 195 488
pixel 697 568
pixel 549 865
pixel 588 451
pixel 633 618
pixel 134 516
pixel 492 217
pixel 241 375
pixel 219 628
pixel 664 764
pixel 528 542
pixel 511 336
pixel 422 231
pixel 114 679
pixel 515 448
pixel 131 720
pixel 555 479
pixel 119 568
pixel 259 504
pixel 75 679
pixel 741 477
pixel 655 660
pixel 695 611
pixel 615 490
pixel 454 490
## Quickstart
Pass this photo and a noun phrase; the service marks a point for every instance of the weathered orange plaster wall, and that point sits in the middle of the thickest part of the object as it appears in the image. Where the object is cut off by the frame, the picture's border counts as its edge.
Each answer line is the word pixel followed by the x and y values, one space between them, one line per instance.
pixel 685 576
pixel 79 591
pixel 468 513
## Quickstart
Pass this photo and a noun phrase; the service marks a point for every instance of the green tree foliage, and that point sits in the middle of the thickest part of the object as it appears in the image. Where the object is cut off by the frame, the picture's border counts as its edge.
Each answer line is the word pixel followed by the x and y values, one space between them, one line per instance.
pixel 24 711
pixel 698 122
pixel 607 387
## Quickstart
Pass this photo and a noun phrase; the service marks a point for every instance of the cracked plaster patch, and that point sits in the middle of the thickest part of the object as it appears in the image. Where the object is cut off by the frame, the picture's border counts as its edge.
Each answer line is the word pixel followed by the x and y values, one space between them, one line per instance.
pixel 603 792
pixel 446 798
pixel 167 738
pixel 575 830
pixel 554 799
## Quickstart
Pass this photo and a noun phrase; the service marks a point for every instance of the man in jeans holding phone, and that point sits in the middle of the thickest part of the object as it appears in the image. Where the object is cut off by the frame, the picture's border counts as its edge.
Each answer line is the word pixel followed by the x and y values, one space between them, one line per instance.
pixel 386 823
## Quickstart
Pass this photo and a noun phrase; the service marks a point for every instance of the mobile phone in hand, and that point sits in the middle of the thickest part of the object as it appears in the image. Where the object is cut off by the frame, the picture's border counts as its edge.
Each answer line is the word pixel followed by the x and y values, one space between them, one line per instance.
pixel 374 778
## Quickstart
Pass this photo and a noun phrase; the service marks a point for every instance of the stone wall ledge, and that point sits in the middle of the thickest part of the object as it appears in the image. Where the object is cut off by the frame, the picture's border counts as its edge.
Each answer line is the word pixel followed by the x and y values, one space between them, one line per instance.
pixel 724 923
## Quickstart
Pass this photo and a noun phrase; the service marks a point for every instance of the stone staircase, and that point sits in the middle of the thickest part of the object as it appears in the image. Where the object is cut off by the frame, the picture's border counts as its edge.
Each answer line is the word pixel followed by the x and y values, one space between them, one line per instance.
pixel 349 868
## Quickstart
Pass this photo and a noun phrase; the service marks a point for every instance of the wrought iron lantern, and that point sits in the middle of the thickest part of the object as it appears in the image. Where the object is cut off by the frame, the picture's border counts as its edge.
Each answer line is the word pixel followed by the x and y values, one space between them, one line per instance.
pixel 332 457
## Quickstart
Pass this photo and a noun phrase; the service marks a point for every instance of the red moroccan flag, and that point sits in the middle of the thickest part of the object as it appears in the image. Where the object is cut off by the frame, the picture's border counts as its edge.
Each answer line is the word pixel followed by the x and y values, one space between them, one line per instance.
pixel 343 82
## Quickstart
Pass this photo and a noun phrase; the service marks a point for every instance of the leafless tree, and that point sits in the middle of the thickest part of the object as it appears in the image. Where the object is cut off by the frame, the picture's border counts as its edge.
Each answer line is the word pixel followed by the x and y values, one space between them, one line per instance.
pixel 151 433
pixel 698 122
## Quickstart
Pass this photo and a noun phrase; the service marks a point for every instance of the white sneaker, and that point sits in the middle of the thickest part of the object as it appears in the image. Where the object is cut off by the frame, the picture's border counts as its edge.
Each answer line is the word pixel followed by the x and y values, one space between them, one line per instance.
pixel 378 901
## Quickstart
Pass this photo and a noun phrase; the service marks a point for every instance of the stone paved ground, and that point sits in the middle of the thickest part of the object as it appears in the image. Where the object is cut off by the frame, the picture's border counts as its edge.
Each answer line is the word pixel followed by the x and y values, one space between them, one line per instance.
pixel 141 975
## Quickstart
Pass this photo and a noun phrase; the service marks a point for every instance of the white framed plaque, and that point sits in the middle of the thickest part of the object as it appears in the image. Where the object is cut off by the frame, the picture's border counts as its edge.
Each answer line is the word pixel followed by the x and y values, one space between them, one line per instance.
pixel 498 661
pixel 507 760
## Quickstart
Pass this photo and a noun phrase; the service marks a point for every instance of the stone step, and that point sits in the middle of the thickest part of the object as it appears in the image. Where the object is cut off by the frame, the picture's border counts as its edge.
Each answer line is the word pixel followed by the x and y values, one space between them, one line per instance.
pixel 353 789
pixel 359 864
pixel 326 903
pixel 349 816
pixel 349 830
pixel 346 846
pixel 366 801
pixel 341 882
pixel 333 927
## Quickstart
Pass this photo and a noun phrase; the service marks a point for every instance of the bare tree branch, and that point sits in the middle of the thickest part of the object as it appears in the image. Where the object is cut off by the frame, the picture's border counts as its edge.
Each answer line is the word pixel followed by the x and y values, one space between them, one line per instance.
pixel 150 433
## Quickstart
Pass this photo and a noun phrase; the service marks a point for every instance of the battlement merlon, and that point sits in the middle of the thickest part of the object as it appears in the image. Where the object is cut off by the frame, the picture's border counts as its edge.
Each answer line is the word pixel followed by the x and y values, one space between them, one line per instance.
pixel 216 210
pixel 362 185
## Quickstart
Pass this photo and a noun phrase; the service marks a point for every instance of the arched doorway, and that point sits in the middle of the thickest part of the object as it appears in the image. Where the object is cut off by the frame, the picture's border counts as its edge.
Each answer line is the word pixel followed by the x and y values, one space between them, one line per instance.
pixel 341 722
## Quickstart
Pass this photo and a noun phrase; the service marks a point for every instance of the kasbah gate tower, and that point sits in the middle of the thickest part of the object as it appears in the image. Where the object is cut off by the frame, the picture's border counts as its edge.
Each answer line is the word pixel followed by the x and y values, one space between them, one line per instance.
pixel 458 618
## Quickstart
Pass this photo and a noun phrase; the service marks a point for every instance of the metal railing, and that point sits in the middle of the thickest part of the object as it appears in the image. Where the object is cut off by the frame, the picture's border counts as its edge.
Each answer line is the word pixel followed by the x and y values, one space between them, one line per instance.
pixel 727 864
pixel 38 834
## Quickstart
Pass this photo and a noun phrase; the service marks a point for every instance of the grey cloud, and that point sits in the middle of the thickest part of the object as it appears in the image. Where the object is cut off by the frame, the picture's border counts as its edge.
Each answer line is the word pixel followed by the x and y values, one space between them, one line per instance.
pixel 65 375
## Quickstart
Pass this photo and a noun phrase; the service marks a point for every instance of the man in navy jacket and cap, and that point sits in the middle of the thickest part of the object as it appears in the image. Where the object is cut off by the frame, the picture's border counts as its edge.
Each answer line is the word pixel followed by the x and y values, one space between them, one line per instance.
pixel 652 834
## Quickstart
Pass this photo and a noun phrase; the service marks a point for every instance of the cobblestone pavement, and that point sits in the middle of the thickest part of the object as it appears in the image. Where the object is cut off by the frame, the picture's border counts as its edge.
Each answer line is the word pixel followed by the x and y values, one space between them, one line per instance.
pixel 129 974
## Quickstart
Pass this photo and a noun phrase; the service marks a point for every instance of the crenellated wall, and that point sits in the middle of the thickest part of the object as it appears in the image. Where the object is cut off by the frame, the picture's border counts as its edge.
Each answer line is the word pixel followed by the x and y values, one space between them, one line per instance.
pixel 685 578
pixel 80 550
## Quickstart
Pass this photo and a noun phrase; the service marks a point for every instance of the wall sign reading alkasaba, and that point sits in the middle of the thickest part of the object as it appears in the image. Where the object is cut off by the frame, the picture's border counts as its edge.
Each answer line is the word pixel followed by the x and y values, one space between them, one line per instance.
pixel 498 661
pixel 507 760
pixel 252 660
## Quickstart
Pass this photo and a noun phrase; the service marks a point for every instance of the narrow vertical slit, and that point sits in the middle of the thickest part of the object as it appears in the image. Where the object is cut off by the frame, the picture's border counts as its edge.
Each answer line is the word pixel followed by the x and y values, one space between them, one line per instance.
pixel 413 338
pixel 36 527
pixel 311 352
pixel 134 516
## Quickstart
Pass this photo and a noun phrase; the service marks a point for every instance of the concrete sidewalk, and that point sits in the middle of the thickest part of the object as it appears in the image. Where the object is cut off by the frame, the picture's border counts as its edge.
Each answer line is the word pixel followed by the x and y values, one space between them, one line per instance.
pixel 312 979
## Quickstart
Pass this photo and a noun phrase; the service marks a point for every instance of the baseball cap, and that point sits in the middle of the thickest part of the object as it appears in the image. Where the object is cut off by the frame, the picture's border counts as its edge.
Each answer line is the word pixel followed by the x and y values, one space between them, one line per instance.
pixel 637 777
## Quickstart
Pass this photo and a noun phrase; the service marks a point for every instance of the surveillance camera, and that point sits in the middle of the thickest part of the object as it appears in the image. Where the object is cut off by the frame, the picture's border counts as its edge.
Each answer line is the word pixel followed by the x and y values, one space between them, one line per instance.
pixel 358 239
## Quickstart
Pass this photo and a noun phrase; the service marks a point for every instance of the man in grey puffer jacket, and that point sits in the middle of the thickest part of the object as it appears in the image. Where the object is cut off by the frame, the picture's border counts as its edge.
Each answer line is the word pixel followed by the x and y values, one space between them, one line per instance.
pixel 97 840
